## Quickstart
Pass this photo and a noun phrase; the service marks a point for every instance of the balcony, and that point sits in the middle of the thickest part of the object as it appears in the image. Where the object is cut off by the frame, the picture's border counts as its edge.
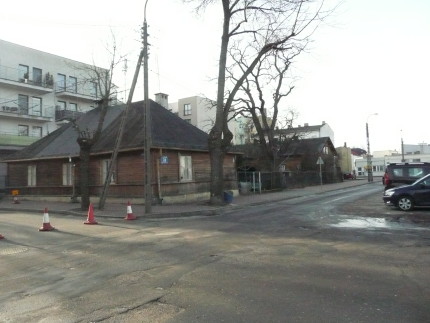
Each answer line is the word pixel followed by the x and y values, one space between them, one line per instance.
pixel 67 115
pixel 11 78
pixel 12 110
pixel 15 139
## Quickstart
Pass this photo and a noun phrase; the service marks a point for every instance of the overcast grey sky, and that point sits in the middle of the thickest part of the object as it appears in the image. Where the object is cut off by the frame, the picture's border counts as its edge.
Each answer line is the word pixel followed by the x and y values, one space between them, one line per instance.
pixel 370 57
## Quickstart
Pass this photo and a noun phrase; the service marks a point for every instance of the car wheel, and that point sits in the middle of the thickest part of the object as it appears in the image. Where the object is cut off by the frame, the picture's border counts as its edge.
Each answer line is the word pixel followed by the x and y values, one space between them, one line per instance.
pixel 405 203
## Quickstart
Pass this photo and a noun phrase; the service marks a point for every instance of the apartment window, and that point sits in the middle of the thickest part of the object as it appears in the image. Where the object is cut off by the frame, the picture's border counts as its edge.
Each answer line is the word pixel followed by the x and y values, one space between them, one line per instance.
pixel 185 168
pixel 93 89
pixel 22 130
pixel 37 76
pixel 36 106
pixel 61 106
pixel 37 131
pixel 23 72
pixel 31 175
pixel 105 169
pixel 73 84
pixel 187 120
pixel 67 174
pixel 187 109
pixel 23 104
pixel 61 82
pixel 73 107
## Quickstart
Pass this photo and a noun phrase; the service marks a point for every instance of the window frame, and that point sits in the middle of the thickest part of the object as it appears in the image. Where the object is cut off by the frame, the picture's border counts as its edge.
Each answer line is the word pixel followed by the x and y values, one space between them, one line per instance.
pixel 67 172
pixel 187 109
pixel 104 170
pixel 24 127
pixel 185 168
pixel 31 175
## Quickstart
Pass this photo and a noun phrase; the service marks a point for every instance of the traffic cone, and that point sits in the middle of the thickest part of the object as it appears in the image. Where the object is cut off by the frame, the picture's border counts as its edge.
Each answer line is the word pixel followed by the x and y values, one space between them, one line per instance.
pixel 15 200
pixel 130 215
pixel 90 217
pixel 46 226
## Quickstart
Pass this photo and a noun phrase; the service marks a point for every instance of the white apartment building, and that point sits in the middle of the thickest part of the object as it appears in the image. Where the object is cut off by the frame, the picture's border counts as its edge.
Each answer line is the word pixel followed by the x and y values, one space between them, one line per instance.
pixel 200 112
pixel 39 91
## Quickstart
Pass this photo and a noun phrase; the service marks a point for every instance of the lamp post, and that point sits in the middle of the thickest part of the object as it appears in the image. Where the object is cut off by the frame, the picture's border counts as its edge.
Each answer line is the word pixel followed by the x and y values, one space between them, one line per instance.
pixel 369 156
pixel 402 146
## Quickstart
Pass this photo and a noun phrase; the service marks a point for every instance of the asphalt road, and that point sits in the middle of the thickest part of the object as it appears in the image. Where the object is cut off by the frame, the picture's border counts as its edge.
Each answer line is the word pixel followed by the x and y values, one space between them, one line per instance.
pixel 336 257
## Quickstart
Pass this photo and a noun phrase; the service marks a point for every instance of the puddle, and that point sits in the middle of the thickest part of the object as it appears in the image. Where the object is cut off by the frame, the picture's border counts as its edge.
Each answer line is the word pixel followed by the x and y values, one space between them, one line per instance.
pixel 374 223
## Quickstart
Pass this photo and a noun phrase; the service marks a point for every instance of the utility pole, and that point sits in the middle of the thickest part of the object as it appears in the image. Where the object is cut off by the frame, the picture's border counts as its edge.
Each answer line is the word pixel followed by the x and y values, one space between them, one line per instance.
pixel 147 118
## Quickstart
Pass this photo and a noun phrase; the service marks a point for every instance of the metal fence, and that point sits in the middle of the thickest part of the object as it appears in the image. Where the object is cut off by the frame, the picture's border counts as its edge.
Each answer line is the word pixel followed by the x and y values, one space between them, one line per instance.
pixel 269 181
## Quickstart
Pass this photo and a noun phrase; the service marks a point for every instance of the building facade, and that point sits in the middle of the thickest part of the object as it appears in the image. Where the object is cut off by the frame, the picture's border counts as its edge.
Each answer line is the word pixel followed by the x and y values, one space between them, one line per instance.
pixel 38 92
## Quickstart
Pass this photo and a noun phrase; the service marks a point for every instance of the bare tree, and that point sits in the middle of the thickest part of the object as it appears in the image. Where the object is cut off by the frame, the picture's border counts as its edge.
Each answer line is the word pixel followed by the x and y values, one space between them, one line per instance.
pixel 102 79
pixel 266 80
pixel 269 26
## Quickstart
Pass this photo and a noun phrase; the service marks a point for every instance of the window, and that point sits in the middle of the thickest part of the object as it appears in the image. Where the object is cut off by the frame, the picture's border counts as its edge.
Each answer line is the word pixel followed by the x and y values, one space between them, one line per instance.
pixel 22 130
pixel 23 72
pixel 31 175
pixel 187 109
pixel 93 89
pixel 67 174
pixel 61 82
pixel 105 169
pixel 185 168
pixel 73 107
pixel 37 131
pixel 36 106
pixel 73 84
pixel 37 76
pixel 61 106
pixel 23 104
pixel 187 120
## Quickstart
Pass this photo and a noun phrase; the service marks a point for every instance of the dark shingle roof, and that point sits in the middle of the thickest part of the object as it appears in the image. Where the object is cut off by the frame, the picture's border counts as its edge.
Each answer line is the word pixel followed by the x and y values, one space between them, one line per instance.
pixel 307 146
pixel 168 131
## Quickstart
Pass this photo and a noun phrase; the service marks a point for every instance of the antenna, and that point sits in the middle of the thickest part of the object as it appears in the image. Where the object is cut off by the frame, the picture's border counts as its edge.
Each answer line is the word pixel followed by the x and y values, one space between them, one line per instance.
pixel 124 69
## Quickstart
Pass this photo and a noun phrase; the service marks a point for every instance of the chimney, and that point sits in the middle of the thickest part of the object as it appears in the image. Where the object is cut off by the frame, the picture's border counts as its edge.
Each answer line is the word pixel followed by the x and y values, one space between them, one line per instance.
pixel 162 99
pixel 306 124
pixel 323 122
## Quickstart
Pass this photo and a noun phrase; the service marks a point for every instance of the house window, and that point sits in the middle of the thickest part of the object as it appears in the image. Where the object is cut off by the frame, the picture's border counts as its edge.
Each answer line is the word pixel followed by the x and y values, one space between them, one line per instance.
pixel 37 76
pixel 325 150
pixel 187 120
pixel 73 84
pixel 185 168
pixel 61 106
pixel 22 130
pixel 31 175
pixel 23 104
pixel 37 131
pixel 61 82
pixel 187 109
pixel 105 169
pixel 36 106
pixel 23 72
pixel 67 174
pixel 73 107
pixel 93 89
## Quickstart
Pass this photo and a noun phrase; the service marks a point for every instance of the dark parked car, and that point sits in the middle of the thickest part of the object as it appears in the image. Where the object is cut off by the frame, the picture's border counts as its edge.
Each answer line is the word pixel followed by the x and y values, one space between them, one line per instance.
pixel 408 196
pixel 397 174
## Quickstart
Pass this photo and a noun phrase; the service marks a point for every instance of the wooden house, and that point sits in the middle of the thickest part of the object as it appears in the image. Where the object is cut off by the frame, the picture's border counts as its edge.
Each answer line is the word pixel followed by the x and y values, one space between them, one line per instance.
pixel 180 164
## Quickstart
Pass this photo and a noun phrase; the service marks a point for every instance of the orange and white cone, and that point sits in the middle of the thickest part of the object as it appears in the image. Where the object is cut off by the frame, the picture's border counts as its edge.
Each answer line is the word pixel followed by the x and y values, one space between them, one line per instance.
pixel 130 215
pixel 15 200
pixel 90 218
pixel 46 226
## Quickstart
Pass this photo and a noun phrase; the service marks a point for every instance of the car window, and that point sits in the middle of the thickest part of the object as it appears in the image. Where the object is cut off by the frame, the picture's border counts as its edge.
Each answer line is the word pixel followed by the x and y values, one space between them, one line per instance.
pixel 398 172
pixel 426 182
pixel 416 172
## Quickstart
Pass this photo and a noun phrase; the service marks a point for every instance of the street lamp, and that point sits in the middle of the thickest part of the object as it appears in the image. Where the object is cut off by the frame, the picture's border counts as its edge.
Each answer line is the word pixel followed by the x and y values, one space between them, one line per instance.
pixel 369 156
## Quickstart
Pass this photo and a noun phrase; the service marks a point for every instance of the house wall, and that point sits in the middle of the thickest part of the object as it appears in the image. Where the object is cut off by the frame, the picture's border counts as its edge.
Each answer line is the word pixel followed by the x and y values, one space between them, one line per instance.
pixel 129 184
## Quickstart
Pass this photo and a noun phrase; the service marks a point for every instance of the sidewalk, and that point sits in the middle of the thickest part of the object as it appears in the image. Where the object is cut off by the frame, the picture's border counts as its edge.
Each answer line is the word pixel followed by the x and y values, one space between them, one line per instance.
pixel 116 210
